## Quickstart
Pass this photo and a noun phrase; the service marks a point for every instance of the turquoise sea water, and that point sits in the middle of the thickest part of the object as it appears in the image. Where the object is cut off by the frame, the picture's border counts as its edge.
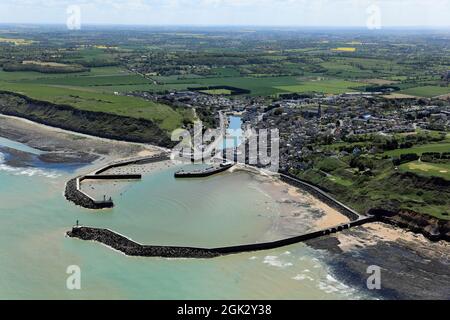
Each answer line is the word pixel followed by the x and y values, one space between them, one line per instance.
pixel 228 209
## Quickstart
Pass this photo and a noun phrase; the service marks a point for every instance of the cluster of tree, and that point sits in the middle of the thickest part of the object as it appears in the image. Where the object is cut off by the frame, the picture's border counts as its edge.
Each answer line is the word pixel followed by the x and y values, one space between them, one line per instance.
pixel 435 157
pixel 404 158
pixel 234 90
pixel 362 163
pixel 392 143
pixel 382 88
pixel 43 68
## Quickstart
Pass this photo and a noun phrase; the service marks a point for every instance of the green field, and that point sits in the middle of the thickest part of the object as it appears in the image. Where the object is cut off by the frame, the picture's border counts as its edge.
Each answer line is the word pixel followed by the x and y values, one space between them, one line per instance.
pixel 426 91
pixel 324 86
pixel 94 91
pixel 30 76
pixel 217 91
pixel 95 80
pixel 428 169
pixel 258 86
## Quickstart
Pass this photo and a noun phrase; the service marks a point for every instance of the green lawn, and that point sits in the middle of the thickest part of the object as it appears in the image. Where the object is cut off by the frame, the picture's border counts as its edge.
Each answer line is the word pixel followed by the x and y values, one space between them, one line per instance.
pixel 428 169
pixel 432 147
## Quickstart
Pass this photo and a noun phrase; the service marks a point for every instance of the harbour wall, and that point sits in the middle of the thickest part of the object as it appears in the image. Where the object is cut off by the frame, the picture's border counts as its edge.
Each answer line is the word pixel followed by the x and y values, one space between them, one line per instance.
pixel 113 177
pixel 201 174
pixel 74 194
pixel 132 248
pixel 139 160
pixel 321 195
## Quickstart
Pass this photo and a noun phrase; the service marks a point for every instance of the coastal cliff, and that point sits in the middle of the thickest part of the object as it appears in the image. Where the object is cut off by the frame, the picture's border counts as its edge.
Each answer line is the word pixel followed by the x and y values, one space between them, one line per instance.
pixel 432 228
pixel 100 124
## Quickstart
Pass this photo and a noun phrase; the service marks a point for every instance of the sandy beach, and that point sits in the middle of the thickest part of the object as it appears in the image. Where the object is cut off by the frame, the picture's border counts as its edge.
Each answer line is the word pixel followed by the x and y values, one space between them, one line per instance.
pixel 380 232
pixel 299 211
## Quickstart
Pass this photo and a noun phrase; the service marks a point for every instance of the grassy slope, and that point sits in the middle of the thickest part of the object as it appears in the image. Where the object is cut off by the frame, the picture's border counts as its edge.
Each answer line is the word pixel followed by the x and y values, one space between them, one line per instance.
pixel 86 91
pixel 428 169
pixel 386 188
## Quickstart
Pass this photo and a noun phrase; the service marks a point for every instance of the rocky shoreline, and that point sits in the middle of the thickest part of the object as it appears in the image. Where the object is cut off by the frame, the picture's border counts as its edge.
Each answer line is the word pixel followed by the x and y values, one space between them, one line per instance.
pixel 411 267
pixel 432 228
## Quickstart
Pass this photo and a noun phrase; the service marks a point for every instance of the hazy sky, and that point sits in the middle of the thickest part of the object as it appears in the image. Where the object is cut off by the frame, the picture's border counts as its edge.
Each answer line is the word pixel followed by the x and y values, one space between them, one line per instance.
pixel 232 12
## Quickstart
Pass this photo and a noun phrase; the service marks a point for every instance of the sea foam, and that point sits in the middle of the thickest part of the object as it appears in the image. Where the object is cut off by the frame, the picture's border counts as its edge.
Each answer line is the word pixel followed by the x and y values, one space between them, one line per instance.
pixel 26 171
pixel 276 262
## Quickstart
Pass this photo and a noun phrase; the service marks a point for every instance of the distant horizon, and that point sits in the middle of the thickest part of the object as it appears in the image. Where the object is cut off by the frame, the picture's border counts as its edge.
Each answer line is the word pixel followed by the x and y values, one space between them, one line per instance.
pixel 232 26
pixel 273 13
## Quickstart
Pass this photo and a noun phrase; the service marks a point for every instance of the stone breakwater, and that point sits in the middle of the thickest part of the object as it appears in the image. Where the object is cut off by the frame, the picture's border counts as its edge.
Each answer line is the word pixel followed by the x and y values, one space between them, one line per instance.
pixel 74 193
pixel 132 248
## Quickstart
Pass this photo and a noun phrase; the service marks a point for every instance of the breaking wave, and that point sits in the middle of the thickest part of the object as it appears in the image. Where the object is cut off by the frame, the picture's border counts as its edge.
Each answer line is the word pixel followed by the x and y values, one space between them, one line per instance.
pixel 331 285
pixel 276 262
pixel 30 172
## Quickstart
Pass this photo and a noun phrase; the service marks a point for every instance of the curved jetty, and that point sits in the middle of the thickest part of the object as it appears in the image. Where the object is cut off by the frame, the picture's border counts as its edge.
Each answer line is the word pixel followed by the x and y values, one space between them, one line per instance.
pixel 206 172
pixel 74 193
pixel 132 248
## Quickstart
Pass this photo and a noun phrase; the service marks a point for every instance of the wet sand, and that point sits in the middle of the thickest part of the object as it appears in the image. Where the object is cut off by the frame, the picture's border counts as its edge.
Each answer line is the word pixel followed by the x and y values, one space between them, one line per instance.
pixel 299 211
pixel 60 142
